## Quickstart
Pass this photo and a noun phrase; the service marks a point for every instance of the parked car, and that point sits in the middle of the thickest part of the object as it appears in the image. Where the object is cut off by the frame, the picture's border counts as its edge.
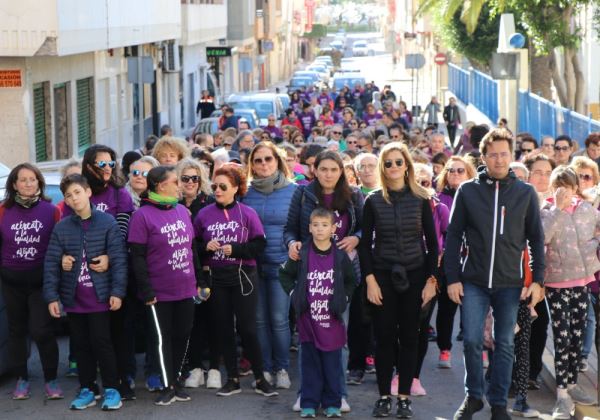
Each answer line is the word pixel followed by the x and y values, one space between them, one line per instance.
pixel 337 45
pixel 263 103
pixel 360 48
pixel 321 69
pixel 349 79
pixel 296 83
pixel 248 114
pixel 285 100
pixel 205 125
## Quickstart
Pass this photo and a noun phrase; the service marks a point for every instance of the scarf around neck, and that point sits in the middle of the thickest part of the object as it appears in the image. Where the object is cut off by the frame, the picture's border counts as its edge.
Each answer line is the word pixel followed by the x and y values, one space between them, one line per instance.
pixel 161 199
pixel 28 202
pixel 271 183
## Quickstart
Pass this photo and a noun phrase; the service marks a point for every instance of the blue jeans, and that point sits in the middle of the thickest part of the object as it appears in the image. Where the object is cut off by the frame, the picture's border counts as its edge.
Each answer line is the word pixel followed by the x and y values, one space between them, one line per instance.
pixel 476 303
pixel 272 322
pixel 590 329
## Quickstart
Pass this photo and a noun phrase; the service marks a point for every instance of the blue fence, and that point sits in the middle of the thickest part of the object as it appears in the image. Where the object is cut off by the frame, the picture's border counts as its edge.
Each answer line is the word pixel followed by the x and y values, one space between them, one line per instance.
pixel 474 87
pixel 542 117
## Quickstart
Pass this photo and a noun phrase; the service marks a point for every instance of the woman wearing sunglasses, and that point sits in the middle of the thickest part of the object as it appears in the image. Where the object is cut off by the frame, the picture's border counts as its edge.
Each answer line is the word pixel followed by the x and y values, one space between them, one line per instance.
pixel 138 172
pixel 231 237
pixel 457 170
pixel 399 269
pixel 270 194
pixel 329 189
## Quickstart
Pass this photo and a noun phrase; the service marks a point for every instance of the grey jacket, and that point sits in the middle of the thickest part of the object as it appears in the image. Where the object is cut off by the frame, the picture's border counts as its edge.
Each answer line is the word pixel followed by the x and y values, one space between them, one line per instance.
pixel 571 242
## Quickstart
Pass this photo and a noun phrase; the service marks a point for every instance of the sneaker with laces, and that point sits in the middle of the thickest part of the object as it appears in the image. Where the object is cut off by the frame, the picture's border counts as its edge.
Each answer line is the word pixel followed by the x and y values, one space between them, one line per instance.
pixel 383 407
pixel 154 383
pixel 345 408
pixel 308 413
pixel 444 361
pixel 394 385
pixel 403 409
pixel 264 387
pixel 84 399
pixel 22 390
pixel 499 413
pixel 213 380
pixel 112 400
pixel 522 409
pixel 283 379
pixel 196 378
pixel 416 389
pixel 370 364
pixel 580 396
pixel 126 391
pixel 268 378
pixel 165 397
pixel 583 364
pixel 485 359
pixel 563 409
pixel 53 390
pixel 231 387
pixel 181 394
pixel 296 406
pixel 245 368
pixel 333 412
pixel 468 407
pixel 72 371
pixel 355 377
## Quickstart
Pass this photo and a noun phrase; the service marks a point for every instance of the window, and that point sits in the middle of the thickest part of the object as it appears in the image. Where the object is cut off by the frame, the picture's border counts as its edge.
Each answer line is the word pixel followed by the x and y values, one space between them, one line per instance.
pixel 41 121
pixel 85 115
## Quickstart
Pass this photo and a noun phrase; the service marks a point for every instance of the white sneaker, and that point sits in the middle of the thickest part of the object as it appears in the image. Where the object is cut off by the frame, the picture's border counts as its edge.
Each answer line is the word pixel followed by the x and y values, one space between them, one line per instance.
pixel 345 408
pixel 214 379
pixel 283 379
pixel 195 379
pixel 296 406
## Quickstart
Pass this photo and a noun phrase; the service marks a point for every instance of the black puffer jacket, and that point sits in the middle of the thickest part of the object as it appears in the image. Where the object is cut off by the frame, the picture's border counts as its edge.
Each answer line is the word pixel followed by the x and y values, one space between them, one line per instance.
pixel 498 218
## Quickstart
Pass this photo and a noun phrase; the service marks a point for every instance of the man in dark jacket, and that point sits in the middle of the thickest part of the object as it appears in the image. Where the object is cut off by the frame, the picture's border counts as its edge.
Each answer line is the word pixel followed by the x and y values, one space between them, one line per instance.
pixel 230 119
pixel 206 105
pixel 452 119
pixel 499 217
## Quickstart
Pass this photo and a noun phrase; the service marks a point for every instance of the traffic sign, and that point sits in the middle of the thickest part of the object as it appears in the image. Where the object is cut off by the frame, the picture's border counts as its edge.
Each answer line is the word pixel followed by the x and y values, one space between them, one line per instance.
pixel 440 59
pixel 415 61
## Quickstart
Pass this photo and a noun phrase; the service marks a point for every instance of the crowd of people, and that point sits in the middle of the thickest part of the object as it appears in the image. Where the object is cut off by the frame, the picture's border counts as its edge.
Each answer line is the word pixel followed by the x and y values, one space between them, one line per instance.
pixel 335 233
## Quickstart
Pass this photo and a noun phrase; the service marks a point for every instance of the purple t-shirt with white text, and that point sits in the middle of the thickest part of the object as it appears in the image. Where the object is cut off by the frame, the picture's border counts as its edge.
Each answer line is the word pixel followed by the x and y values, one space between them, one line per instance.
pixel 308 122
pixel 342 220
pixel 237 225
pixel 371 119
pixel 25 234
pixel 112 201
pixel 86 299
pixel 168 236
pixel 273 131
pixel 318 325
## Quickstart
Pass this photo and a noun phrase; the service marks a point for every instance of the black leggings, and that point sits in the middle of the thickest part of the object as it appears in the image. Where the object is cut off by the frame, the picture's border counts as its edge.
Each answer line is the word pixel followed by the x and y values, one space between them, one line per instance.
pixel 426 314
pixel 537 343
pixel 173 330
pixel 397 322
pixel 204 335
pixel 27 314
pixel 228 302
pixel 444 320
pixel 360 332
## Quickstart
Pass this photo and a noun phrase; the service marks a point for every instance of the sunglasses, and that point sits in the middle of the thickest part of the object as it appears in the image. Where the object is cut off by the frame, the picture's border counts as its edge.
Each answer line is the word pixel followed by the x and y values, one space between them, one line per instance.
pixel 187 178
pixel 336 132
pixel 350 142
pixel 389 163
pixel 561 148
pixel 103 163
pixel 260 161
pixel 526 150
pixel 459 171
pixel 222 187
pixel 585 177
pixel 137 172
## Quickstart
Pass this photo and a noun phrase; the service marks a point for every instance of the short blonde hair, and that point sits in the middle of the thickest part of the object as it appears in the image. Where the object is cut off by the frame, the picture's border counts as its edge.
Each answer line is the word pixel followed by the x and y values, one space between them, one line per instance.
pixel 442 179
pixel 189 163
pixel 173 143
pixel 584 162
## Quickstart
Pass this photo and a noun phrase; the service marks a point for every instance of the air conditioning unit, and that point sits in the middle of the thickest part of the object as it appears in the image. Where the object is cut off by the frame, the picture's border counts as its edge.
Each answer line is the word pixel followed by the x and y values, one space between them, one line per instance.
pixel 171 57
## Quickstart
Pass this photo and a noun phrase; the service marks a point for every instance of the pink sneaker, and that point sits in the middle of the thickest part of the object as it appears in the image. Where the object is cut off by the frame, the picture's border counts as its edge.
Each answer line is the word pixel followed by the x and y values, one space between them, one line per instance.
pixel 394 386
pixel 416 389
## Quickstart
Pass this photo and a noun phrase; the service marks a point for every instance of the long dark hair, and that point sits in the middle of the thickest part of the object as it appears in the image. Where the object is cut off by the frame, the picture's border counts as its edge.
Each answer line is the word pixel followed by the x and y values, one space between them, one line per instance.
pixel 93 174
pixel 342 193
pixel 155 177
pixel 11 191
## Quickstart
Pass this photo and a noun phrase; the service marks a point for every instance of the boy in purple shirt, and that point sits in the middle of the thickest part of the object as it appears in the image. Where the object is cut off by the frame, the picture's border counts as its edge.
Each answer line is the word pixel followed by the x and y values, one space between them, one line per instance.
pixel 322 281
pixel 87 292
pixel 307 118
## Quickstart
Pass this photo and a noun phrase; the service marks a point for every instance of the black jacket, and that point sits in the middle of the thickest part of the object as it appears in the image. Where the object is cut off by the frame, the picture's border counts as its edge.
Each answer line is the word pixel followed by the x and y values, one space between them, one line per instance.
pixel 498 219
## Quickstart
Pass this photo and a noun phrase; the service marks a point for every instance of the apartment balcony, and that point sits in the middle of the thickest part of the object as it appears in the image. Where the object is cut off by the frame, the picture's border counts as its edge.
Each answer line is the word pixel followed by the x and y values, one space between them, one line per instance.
pixel 203 21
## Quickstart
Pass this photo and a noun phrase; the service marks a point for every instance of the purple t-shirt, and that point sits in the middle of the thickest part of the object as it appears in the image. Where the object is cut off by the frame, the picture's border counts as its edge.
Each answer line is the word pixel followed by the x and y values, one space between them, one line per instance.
pixel 273 131
pixel 168 236
pixel 25 234
pixel 371 119
pixel 318 325
pixel 324 100
pixel 308 121
pixel 112 201
pixel 86 299
pixel 342 220
pixel 236 225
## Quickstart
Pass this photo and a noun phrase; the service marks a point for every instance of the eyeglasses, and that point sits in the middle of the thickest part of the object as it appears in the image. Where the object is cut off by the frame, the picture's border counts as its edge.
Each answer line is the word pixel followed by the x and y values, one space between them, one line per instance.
pixel 425 183
pixel 336 132
pixel 496 156
pixel 137 172
pixel 350 142
pixel 526 150
pixel 561 148
pixel 398 162
pixel 103 163
pixel 459 171
pixel 363 168
pixel 260 161
pixel 548 145
pixel 187 178
pixel 222 187
pixel 585 177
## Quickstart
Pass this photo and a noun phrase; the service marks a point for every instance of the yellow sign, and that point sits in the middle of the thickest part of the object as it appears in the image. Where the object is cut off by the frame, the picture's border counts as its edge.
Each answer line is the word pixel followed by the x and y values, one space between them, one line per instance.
pixel 10 78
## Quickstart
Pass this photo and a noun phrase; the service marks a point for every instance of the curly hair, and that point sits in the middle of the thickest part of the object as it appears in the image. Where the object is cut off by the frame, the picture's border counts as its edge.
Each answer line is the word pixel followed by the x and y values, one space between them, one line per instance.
pixel 236 176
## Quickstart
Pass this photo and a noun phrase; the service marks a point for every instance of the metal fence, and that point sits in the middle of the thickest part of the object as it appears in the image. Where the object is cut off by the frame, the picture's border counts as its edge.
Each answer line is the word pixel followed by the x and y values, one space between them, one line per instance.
pixel 541 117
pixel 476 88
